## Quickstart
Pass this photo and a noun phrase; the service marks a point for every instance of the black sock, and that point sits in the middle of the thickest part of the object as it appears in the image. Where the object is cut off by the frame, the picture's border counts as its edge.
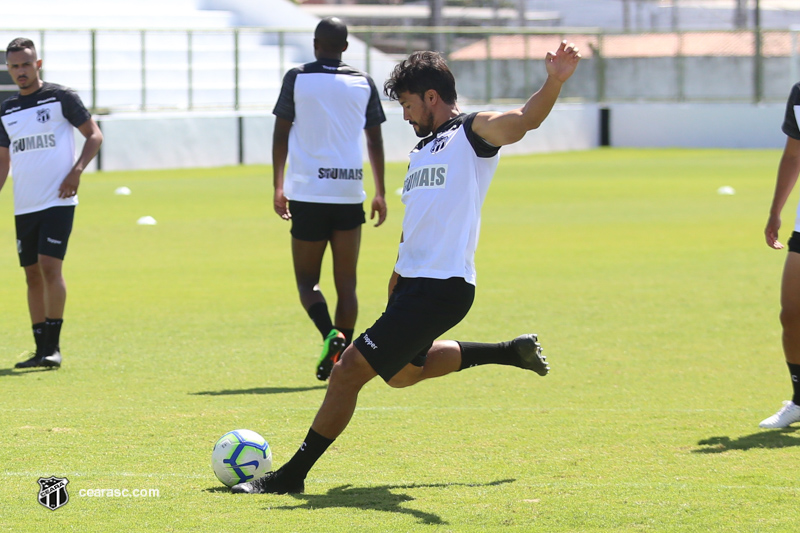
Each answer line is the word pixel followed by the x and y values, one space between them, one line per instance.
pixel 308 453
pixel 348 333
pixel 321 317
pixel 478 353
pixel 52 333
pixel 38 336
pixel 794 370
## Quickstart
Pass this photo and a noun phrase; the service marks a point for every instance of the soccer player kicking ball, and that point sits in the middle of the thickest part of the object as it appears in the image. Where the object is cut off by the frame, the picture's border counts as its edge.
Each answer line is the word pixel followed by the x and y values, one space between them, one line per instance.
pixel 433 284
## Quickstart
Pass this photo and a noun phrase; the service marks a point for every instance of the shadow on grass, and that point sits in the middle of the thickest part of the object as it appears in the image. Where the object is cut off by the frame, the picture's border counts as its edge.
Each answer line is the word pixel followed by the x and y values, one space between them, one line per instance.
pixel 22 371
pixel 379 498
pixel 258 390
pixel 779 438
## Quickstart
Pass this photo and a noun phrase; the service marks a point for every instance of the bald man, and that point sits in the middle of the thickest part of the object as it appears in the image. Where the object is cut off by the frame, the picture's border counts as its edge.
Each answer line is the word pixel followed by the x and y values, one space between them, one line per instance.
pixel 322 109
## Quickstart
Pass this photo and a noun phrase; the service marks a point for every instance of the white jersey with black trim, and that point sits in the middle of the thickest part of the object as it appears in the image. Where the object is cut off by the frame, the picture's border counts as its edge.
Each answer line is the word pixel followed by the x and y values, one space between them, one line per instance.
pixel 37 130
pixel 791 128
pixel 447 181
pixel 330 104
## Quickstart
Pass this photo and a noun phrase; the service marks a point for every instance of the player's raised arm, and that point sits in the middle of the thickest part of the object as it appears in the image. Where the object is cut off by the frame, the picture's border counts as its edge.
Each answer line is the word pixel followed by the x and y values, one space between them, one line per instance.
pixel 507 128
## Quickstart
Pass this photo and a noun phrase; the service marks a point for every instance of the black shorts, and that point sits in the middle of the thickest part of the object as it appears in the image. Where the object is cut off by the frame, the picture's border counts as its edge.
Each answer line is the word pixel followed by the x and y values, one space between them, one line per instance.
pixel 419 311
pixel 794 242
pixel 316 222
pixel 44 232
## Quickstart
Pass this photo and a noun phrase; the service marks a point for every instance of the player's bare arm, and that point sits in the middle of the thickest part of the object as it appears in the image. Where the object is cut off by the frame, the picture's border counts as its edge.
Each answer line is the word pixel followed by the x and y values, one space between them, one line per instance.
pixel 376 160
pixel 5 165
pixel 280 152
pixel 94 138
pixel 501 129
pixel 788 170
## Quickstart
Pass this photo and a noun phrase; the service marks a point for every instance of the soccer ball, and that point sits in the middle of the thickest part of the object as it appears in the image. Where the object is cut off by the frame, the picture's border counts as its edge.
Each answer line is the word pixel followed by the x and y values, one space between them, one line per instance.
pixel 240 456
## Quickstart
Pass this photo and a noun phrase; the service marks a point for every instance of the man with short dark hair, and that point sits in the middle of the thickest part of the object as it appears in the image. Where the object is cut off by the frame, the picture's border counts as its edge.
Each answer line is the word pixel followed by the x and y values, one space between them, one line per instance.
pixel 36 136
pixel 433 283
pixel 322 109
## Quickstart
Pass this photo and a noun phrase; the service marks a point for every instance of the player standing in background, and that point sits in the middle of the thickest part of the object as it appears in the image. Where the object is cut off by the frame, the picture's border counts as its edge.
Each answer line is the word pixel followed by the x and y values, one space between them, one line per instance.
pixel 433 284
pixel 788 170
pixel 36 136
pixel 322 109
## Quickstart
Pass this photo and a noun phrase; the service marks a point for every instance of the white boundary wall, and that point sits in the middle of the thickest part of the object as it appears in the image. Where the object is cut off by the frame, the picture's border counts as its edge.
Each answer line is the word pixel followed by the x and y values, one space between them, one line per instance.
pixel 697 125
pixel 186 140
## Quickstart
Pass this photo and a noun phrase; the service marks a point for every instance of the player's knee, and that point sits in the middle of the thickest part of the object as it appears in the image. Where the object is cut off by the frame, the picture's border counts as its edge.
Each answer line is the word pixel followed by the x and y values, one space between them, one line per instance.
pixel 790 317
pixel 350 371
pixel 33 277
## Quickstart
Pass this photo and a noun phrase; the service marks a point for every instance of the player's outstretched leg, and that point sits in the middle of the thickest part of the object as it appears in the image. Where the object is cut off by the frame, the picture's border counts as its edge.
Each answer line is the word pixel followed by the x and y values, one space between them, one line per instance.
pixel 789 414
pixel 332 348
pixel 523 352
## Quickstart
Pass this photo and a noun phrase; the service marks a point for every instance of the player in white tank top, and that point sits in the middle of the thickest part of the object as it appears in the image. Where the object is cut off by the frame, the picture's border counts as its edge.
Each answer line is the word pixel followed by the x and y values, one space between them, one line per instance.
pixel 448 177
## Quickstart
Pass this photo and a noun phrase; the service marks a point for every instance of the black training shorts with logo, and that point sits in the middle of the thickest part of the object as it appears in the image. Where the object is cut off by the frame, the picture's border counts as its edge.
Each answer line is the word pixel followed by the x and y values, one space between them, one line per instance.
pixel 419 311
pixel 317 222
pixel 44 232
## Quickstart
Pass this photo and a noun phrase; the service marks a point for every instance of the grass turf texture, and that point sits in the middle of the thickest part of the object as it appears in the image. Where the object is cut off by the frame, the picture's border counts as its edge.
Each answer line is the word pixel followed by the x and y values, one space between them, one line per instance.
pixel 656 302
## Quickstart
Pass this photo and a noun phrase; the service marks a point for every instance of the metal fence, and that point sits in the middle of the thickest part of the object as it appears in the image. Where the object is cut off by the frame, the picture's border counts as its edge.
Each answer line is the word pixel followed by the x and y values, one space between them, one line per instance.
pixel 148 70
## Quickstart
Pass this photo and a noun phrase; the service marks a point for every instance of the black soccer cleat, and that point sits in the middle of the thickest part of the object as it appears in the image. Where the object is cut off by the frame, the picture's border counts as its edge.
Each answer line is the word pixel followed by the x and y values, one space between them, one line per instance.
pixel 530 354
pixel 29 363
pixel 271 483
pixel 52 361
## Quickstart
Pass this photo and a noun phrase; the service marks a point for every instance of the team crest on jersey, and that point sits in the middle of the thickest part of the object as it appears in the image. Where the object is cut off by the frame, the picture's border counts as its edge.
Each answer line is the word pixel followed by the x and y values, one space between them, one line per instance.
pixel 43 115
pixel 442 139
pixel 53 492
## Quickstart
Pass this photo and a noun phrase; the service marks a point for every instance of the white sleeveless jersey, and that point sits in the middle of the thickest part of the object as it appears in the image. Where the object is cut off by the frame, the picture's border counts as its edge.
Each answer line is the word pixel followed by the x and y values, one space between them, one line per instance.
pixel 37 130
pixel 790 128
pixel 444 189
pixel 330 104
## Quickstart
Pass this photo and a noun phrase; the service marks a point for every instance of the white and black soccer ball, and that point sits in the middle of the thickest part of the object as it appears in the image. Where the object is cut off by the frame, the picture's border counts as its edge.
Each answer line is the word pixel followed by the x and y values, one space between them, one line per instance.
pixel 241 456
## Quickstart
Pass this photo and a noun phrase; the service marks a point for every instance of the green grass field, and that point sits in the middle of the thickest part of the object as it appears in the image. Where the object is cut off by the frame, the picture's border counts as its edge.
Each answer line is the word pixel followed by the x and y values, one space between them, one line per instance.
pixel 655 298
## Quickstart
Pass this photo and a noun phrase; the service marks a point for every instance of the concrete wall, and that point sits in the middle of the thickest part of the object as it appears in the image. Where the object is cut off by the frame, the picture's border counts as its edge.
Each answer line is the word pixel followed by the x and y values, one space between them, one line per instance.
pixel 697 125
pixel 186 140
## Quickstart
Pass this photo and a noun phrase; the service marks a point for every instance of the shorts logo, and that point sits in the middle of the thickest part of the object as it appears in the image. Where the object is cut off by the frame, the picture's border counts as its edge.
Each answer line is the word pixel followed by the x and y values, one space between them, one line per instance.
pixel 43 115
pixel 53 492
pixel 19 246
pixel 369 342
pixel 53 241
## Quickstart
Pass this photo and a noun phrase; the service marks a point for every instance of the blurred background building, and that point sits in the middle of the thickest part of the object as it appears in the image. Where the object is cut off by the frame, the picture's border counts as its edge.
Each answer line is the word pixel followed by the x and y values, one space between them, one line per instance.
pixel 150 68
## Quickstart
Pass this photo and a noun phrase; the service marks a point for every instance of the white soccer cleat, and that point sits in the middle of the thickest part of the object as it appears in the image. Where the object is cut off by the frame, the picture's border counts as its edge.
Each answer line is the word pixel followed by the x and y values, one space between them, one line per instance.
pixel 789 414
